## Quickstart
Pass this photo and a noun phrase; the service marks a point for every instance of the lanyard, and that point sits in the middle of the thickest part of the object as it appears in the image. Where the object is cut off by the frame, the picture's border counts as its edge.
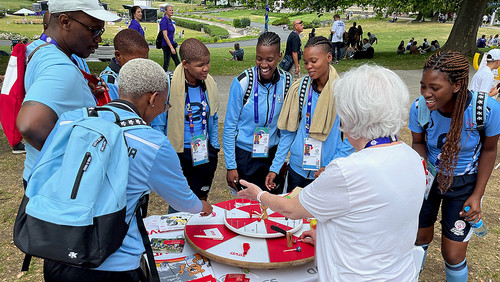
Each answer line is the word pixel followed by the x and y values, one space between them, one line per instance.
pixel 308 113
pixel 190 111
pixel 48 39
pixel 256 101
pixel 382 140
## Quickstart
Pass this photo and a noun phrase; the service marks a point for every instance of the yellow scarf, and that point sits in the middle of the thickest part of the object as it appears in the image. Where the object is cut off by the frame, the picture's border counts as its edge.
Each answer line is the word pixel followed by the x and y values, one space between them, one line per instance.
pixel 177 98
pixel 324 113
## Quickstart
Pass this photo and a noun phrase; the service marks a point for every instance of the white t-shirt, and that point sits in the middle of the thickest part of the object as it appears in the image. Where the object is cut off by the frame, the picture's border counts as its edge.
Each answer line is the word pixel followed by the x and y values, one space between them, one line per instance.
pixel 482 81
pixel 367 206
pixel 339 28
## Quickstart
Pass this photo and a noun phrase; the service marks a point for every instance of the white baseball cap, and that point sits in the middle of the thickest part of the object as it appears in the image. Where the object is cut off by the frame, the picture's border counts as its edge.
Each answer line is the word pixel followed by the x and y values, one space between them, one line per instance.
pixel 493 55
pixel 89 7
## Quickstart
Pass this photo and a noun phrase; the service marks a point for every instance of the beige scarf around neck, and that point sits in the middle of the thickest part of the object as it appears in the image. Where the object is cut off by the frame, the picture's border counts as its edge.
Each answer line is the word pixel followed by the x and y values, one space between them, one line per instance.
pixel 177 98
pixel 324 113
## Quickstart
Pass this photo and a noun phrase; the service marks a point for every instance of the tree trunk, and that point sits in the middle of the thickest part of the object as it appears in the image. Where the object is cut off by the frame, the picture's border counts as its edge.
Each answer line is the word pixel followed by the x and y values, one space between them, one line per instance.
pixel 420 17
pixel 464 32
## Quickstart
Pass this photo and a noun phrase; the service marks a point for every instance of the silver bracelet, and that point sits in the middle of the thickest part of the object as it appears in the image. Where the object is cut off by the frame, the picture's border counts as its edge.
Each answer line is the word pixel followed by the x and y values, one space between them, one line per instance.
pixel 259 195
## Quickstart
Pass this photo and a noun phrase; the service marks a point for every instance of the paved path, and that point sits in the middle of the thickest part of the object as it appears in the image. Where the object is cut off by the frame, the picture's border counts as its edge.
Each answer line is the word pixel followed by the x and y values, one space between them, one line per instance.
pixel 283 34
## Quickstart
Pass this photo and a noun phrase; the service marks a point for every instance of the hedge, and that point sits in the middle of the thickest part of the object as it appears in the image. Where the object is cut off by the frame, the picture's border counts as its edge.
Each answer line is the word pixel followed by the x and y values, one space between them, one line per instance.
pixel 211 30
pixel 282 20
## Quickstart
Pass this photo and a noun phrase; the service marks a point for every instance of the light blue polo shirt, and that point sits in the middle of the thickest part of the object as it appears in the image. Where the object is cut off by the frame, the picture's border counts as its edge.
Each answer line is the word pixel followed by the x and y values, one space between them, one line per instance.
pixel 470 147
pixel 52 79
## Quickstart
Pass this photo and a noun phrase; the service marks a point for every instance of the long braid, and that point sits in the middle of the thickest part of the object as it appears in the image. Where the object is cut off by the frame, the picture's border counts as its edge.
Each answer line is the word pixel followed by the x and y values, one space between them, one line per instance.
pixel 456 66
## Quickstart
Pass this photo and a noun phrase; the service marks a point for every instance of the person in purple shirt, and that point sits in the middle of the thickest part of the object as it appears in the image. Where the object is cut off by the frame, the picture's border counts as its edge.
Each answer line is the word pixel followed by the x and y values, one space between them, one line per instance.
pixel 168 44
pixel 136 12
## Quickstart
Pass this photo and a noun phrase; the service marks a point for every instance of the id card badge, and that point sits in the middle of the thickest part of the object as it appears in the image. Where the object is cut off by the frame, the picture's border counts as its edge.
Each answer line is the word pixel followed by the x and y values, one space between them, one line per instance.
pixel 430 175
pixel 312 154
pixel 199 150
pixel 260 142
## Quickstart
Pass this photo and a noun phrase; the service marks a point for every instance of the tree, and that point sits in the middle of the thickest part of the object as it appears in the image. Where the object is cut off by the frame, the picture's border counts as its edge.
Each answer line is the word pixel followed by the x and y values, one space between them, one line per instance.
pixel 463 34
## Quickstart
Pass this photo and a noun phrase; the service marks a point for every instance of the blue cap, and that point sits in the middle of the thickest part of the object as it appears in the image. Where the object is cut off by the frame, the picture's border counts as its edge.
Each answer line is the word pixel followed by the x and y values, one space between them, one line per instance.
pixel 467 208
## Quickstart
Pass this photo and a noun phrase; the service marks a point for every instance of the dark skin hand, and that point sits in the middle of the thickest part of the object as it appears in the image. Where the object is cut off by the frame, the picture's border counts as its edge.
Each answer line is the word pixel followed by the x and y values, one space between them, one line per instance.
pixel 35 121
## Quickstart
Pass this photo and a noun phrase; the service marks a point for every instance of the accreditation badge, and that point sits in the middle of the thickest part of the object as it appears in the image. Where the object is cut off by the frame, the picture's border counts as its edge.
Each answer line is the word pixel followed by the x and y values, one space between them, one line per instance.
pixel 312 154
pixel 199 150
pixel 260 142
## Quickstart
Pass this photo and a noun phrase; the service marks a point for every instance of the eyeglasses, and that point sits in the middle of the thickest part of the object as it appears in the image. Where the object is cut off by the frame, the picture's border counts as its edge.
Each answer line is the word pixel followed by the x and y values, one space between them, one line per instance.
pixel 95 32
pixel 299 22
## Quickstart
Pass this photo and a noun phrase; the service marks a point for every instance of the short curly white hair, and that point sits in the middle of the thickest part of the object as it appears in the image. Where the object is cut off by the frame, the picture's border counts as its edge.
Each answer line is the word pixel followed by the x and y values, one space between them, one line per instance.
pixel 140 76
pixel 372 102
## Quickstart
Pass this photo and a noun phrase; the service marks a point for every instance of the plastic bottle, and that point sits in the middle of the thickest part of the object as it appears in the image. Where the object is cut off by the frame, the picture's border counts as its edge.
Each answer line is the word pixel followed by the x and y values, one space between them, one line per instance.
pixel 478 227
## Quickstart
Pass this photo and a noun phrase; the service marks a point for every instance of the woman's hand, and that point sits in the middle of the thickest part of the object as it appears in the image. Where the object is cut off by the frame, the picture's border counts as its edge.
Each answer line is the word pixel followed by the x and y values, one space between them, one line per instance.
pixel 474 214
pixel 317 173
pixel 309 236
pixel 207 208
pixel 270 180
pixel 232 178
pixel 250 192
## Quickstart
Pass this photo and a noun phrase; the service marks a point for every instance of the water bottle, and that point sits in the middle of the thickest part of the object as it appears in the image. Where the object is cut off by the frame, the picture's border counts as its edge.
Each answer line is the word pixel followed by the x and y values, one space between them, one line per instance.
pixel 478 227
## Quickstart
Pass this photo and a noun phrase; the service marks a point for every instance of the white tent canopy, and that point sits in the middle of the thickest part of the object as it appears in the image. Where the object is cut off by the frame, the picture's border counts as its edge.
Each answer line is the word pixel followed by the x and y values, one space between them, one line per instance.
pixel 24 11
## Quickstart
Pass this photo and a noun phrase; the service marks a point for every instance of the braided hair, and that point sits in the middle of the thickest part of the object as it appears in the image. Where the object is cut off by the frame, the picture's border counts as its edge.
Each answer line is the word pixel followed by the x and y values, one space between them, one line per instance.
pixel 456 67
pixel 319 41
pixel 269 38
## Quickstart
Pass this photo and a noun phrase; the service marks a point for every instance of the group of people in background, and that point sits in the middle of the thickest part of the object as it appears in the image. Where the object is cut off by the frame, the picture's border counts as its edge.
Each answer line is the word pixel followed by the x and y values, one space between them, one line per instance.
pixel 491 42
pixel 413 48
pixel 318 120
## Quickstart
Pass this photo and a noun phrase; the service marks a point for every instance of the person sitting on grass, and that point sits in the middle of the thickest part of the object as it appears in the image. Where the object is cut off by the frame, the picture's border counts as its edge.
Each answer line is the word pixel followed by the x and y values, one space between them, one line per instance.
pixel 401 48
pixel 129 44
pixel 237 53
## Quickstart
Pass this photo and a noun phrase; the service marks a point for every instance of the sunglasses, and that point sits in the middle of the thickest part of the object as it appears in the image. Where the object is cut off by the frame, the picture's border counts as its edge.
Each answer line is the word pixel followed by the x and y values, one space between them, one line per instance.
pixel 95 32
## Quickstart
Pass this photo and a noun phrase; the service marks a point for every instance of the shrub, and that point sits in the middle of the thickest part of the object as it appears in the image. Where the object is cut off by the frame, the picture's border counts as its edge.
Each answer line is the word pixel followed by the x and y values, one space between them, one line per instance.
pixel 216 31
pixel 237 23
pixel 282 20
pixel 245 22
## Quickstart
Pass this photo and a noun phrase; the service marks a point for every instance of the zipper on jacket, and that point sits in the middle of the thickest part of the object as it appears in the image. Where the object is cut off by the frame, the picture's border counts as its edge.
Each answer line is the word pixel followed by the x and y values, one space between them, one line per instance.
pixel 83 167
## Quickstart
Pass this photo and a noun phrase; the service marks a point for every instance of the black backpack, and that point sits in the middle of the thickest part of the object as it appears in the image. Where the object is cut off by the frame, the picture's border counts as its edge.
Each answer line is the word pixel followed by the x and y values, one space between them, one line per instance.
pixel 159 38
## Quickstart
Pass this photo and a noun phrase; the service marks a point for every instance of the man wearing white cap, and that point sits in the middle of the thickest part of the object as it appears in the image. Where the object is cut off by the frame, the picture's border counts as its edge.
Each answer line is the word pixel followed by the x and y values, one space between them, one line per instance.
pixel 483 80
pixel 53 82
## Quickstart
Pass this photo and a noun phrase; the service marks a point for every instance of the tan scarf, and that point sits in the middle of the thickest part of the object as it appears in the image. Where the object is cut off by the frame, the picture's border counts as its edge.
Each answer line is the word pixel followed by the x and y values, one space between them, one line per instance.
pixel 324 113
pixel 177 98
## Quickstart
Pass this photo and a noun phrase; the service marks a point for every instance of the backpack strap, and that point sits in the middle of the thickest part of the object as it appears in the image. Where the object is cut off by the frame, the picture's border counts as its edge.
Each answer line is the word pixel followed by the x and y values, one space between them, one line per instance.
pixel 302 94
pixel 288 81
pixel 479 114
pixel 111 76
pixel 140 213
pixel 423 113
pixel 34 51
pixel 93 112
pixel 250 75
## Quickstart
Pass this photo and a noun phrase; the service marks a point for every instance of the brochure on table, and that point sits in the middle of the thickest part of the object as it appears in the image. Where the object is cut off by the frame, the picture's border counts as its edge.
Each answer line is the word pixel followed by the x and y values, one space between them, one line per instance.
pixel 306 272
